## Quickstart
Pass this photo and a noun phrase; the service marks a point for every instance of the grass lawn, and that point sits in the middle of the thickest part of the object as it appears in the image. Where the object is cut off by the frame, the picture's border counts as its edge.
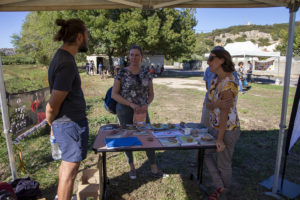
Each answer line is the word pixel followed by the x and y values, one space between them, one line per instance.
pixel 253 161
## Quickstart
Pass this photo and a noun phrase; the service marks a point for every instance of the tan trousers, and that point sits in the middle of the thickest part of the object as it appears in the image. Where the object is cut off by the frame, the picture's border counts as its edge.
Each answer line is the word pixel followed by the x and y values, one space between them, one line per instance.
pixel 220 170
pixel 205 116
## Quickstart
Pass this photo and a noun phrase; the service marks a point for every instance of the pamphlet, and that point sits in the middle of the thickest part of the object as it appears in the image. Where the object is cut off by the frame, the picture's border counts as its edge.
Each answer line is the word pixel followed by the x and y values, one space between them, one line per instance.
pixel 164 134
pixel 141 132
pixel 117 134
pixel 187 140
pixel 112 143
pixel 169 142
pixel 207 139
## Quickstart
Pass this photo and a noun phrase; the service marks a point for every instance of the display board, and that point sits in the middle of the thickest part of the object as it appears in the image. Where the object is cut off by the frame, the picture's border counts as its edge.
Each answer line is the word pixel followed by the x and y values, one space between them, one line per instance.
pixel 27 109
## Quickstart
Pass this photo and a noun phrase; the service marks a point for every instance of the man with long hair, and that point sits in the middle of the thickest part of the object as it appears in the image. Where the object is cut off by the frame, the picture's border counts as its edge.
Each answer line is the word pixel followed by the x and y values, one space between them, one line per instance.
pixel 66 109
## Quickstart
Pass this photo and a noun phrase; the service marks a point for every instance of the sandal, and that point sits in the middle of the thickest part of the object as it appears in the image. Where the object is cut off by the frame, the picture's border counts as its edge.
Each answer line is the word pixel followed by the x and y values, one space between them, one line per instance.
pixel 216 194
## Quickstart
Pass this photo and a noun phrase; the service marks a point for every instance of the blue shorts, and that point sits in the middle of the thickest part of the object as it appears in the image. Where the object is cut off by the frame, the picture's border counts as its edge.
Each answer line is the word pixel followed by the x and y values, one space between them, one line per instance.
pixel 72 139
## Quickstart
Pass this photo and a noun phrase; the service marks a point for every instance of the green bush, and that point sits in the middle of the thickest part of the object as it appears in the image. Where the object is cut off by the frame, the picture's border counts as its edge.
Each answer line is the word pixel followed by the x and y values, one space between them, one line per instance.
pixel 17 60
pixel 228 40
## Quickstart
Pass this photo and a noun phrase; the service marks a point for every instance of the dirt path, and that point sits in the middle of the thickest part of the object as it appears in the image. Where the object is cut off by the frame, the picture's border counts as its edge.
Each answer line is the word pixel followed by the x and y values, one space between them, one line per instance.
pixel 180 83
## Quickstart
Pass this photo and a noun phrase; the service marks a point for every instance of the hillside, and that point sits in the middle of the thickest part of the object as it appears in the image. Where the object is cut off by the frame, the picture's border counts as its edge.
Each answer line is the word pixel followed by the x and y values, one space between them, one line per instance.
pixel 271 29
pixel 267 36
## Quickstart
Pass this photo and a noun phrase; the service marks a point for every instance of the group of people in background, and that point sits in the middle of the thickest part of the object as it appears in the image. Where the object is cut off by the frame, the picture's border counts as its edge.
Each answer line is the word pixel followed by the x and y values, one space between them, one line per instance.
pixel 91 69
pixel 244 75
pixel 156 70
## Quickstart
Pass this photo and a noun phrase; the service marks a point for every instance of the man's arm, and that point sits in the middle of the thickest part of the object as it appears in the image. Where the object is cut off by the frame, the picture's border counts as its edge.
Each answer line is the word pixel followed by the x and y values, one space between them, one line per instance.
pixel 53 106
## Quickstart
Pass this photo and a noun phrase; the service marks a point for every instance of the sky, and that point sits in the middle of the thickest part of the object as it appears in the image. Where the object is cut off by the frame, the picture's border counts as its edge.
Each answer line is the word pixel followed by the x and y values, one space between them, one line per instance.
pixel 208 19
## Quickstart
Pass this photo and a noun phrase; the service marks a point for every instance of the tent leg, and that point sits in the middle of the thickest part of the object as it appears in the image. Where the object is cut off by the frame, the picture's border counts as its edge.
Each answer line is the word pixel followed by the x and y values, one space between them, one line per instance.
pixel 6 124
pixel 284 98
pixel 277 81
pixel 276 196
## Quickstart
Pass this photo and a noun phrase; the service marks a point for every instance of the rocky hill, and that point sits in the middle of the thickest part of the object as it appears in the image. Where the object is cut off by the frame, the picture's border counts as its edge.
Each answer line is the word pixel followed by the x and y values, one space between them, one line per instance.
pixel 254 35
pixel 265 36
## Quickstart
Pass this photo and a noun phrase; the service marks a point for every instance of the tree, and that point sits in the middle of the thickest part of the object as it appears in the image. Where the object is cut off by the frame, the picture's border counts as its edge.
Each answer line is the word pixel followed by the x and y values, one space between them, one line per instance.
pixel 203 45
pixel 263 42
pixel 36 39
pixel 218 40
pixel 111 32
pixel 229 40
pixel 240 39
pixel 163 31
pixel 282 47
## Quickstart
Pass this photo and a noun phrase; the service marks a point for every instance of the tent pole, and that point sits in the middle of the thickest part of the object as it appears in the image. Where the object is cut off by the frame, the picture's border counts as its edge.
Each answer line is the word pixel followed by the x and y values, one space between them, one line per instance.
pixel 282 125
pixel 6 124
pixel 277 81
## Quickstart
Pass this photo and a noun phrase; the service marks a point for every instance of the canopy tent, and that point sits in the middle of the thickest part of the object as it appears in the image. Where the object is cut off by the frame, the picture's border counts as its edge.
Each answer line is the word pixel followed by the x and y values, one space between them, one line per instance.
pixel 43 5
pixel 35 5
pixel 248 49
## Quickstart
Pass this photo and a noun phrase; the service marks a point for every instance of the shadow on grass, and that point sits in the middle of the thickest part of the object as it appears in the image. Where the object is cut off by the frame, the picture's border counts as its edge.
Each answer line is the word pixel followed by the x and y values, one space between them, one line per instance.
pixel 50 192
pixel 263 80
pixel 175 162
pixel 253 162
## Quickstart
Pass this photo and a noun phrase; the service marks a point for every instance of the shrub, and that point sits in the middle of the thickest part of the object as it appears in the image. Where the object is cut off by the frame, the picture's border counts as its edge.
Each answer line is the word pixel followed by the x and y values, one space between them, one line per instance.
pixel 17 60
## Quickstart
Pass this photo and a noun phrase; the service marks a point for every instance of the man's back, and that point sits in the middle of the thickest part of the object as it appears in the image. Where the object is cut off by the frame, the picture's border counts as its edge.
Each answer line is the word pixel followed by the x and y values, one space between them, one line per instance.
pixel 63 76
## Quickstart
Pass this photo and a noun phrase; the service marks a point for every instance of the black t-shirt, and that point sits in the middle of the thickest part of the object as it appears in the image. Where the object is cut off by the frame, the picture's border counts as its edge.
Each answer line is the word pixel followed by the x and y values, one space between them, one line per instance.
pixel 63 75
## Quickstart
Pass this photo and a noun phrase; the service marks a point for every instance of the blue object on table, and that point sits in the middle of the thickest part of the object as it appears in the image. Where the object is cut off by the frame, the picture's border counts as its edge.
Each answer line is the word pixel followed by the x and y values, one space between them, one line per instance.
pixel 122 142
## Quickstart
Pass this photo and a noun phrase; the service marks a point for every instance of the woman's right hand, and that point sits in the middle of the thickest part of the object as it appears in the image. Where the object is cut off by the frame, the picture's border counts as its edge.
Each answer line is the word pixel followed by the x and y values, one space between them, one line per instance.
pixel 220 145
pixel 133 106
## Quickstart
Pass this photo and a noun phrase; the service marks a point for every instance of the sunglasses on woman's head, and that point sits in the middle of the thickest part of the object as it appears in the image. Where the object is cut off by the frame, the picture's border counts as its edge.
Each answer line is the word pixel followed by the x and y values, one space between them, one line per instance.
pixel 211 58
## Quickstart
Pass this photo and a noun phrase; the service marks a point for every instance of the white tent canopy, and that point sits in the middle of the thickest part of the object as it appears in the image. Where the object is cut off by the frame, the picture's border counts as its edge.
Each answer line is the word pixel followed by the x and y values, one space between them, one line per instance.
pixel 248 49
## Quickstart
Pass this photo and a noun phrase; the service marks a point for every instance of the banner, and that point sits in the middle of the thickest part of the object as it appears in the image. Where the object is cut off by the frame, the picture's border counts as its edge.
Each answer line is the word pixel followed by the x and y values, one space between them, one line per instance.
pixel 293 133
pixel 27 109
pixel 264 66
pixel 296 129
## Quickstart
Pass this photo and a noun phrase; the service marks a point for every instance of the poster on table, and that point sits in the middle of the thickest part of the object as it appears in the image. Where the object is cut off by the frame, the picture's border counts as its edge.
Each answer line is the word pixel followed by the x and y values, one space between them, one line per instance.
pixel 27 109
pixel 264 66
